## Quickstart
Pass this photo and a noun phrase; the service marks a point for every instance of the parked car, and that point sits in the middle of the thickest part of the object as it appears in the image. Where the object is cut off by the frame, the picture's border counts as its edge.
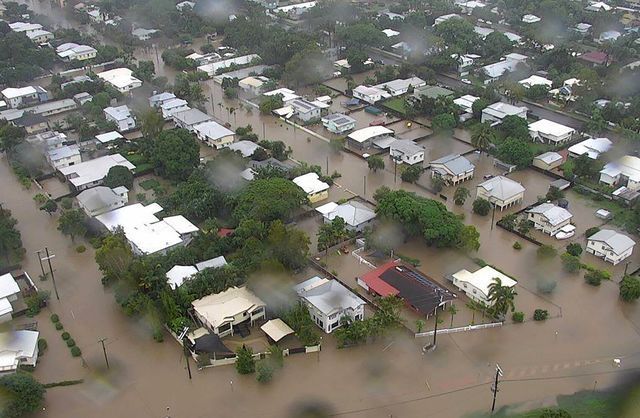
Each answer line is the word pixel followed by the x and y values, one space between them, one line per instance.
pixel 603 214
pixel 566 232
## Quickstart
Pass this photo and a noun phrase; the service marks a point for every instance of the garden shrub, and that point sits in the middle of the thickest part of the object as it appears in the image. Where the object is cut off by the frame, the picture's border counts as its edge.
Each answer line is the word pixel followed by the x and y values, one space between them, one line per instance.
pixel 75 351
pixel 518 317
pixel 540 314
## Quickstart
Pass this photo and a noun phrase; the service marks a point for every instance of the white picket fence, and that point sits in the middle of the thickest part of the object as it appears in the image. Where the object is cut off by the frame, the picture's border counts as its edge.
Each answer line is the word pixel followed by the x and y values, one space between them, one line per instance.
pixel 360 258
pixel 459 329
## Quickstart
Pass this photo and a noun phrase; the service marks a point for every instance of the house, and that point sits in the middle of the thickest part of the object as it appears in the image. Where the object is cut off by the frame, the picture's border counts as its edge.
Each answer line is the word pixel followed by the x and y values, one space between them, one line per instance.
pixel 24 96
pixel 482 32
pixel 418 291
pixel 406 151
pixel 32 123
pixel 496 112
pixel 390 33
pixel 91 173
pixel 401 86
pixel 64 156
pixel 253 84
pixel 431 92
pixel 530 19
pixel 466 61
pixel 582 28
pixel 476 285
pixel 121 116
pixel 212 263
pixel 513 37
pixel 107 137
pixel 101 199
pixel 24 26
pixel 548 161
pixel 82 98
pixel 469 6
pixel 177 275
pixel 223 312
pixel 169 107
pixel 287 94
pixel 501 191
pixel 144 34
pixel 549 218
pixel 9 292
pixel 121 79
pixel 39 36
pixel 315 189
pixel 550 132
pixel 338 123
pixel 466 102
pixel 70 51
pixel 608 36
pixel 370 94
pixel 185 5
pixel 625 171
pixel 214 135
pixel 452 168
pixel 18 348
pixel 159 99
pixel 610 245
pixel 535 80
pixel 47 140
pixel 598 6
pixel 444 18
pixel 355 215
pixel 268 4
pixel 364 138
pixel 190 118
pixel 213 67
pixel 294 11
pixel 592 147
pixel 304 110
pixel 244 147
pixel 145 232
pixel 595 58
pixel 329 301
pixel 494 71
pixel 52 107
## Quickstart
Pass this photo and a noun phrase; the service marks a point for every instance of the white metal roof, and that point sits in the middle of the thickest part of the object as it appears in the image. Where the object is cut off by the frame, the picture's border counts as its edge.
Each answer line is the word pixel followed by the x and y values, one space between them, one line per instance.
pixel 214 263
pixel 353 213
pixel 119 77
pixel 364 134
pixel 310 183
pixel 93 170
pixel 619 243
pixel 16 345
pixel 555 215
pixel 482 278
pixel 178 274
pixel 276 329
pixel 627 165
pixel 12 92
pixel 287 94
pixel 180 224
pixel 502 188
pixel 466 102
pixel 8 286
pixel 328 296
pixel 535 80
pixel 118 112
pixel 390 32
pixel 213 130
pixel 549 127
pixel 220 308
pixel 593 147
pixel 108 137
pixel 549 157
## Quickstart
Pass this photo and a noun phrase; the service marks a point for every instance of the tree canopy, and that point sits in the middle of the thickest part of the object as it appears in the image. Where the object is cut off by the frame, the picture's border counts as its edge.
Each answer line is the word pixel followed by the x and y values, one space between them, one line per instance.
pixel 175 154
pixel 21 394
pixel 117 176
pixel 269 199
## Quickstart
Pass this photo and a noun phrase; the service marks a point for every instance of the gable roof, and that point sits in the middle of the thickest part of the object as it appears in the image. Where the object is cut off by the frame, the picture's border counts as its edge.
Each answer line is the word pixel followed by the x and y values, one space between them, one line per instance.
pixel 454 163
pixel 502 188
pixel 328 296
pixel 619 243
pixel 555 215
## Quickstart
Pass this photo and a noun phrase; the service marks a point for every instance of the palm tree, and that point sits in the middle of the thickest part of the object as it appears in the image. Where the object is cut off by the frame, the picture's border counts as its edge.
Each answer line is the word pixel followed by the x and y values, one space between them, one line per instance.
pixel 152 123
pixel 460 195
pixel 453 310
pixel 502 298
pixel 483 136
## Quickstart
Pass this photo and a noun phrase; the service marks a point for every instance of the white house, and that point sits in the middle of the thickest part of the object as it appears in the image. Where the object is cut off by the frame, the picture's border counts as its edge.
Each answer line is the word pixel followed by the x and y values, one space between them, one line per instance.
pixel 190 118
pixel 501 191
pixel 253 84
pixel 610 245
pixel 364 138
pixel 145 232
pixel 400 86
pixel 91 173
pixel 498 69
pixel 550 132
pixel 598 6
pixel 159 99
pixel 172 106
pixel 466 102
pixel 39 36
pixel 444 18
pixel 549 218
pixel 214 134
pixel 107 137
pixel 287 94
pixel 315 189
pixel 592 147
pixel 355 215
pixel 177 275
pixel 73 52
pixel 406 151
pixel 9 292
pixel 304 110
pixel 476 285
pixel 496 112
pixel 101 199
pixel 64 156
pixel 18 348
pixel 582 28
pixel 221 312
pixel 329 301
pixel 625 172
pixel 535 80
pixel 121 116
pixel 244 147
pixel 530 19
pixel 548 160
pixel 390 33
pixel 338 123
pixel 370 94
pixel 23 96
pixel 213 67
pixel 24 26
pixel 121 79
pixel 185 5
pixel 144 34
pixel 452 168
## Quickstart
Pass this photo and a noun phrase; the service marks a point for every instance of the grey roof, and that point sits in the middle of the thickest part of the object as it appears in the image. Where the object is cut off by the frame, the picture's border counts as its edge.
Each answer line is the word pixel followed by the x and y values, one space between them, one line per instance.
pixel 502 188
pixel 303 106
pixel 618 242
pixel 271 162
pixel 191 117
pixel 554 214
pixel 328 296
pixel 246 148
pixel 455 163
pixel 406 146
pixel 30 119
pixel 215 263
pixel 549 157
pixel 97 198
pixel 213 130
pixel 66 151
pixel 353 213
pixel 339 119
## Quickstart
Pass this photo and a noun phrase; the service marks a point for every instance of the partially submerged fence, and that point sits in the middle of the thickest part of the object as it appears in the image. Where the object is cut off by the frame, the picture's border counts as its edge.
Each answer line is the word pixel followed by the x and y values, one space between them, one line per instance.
pixel 460 329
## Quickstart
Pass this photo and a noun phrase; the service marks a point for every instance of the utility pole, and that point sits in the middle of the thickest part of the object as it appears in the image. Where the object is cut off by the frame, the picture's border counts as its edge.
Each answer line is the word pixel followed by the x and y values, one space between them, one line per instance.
pixel 213 104
pixel 44 275
pixel 104 350
pixel 493 215
pixel 183 337
pixel 53 278
pixel 264 136
pixel 364 183
pixel 435 327
pixel 494 388
pixel 327 165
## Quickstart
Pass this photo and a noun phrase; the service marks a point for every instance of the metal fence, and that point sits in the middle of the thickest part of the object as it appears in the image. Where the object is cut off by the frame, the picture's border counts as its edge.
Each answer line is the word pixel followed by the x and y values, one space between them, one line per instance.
pixel 459 329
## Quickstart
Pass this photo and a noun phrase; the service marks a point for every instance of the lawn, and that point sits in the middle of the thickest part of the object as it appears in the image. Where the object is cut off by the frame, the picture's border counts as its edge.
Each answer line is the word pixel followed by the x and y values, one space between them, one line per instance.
pixel 135 159
pixel 397 104
pixel 149 184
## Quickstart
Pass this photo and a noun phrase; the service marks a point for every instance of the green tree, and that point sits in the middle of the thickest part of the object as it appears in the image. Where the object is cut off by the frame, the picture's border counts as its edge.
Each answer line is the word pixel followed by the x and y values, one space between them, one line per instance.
pixel 245 364
pixel 496 44
pixel 145 71
pixel 481 206
pixel 437 183
pixel 22 395
pixel 570 263
pixel 360 35
pixel 152 123
pixel 117 176
pixel 554 194
pixel 10 240
pixel 443 122
pixel 332 233
pixel 72 223
pixel 457 34
pixel 501 298
pixel 585 167
pixel 356 59
pixel 468 238
pixel 270 103
pixel 175 154
pixel 515 151
pixel 50 206
pixel 483 136
pixel 546 251
pixel 460 195
pixel 269 199
pixel 574 249
pixel 375 163
pixel 554 413
pixel 596 124
pixel 264 371
pixel 630 288
pixel 478 106
pixel 595 277
pixel 540 314
pixel 10 136
pixel 412 173
pixel 114 257
pixel 513 126
pixel 453 310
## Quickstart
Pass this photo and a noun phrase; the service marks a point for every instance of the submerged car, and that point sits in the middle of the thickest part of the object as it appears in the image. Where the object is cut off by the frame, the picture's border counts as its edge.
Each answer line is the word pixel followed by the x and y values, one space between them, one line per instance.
pixel 566 231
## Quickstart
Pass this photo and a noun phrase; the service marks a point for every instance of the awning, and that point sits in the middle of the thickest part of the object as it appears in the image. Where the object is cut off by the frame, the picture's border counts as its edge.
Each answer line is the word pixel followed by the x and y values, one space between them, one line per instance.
pixel 276 329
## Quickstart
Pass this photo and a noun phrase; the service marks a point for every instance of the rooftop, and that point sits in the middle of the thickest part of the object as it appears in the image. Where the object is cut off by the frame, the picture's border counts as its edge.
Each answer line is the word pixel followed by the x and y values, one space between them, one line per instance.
pixel 554 214
pixel 353 213
pixel 310 183
pixel 549 157
pixel 221 308
pixel 119 77
pixel 191 117
pixel 482 278
pixel 118 112
pixel 328 296
pixel 364 134
pixel 338 119
pixel 502 188
pixel 455 163
pixel 213 130
pixel 593 147
pixel 549 127
pixel 98 197
pixel 619 243
pixel 406 146
pixel 94 170
pixel 108 137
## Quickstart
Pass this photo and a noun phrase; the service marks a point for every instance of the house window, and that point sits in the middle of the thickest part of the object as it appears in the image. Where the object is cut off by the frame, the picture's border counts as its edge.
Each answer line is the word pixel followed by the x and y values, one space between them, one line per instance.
pixel 334 325
pixel 320 323
pixel 224 328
